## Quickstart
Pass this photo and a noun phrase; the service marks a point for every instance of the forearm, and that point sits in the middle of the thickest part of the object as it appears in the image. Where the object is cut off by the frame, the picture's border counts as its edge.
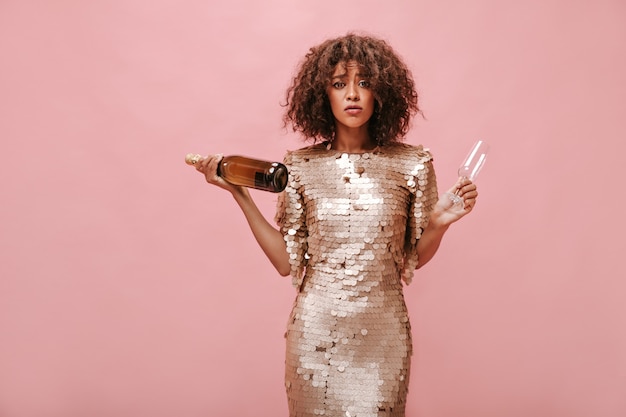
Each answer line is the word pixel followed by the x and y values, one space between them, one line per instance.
pixel 443 215
pixel 429 241
pixel 269 238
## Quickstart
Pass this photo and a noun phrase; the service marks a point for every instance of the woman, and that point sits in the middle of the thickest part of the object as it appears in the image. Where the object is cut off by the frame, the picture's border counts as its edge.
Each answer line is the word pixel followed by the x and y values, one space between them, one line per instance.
pixel 360 213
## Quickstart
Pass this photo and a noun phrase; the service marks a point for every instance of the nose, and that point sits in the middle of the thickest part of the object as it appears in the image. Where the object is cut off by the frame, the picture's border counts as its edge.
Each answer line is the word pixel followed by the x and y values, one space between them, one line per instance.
pixel 352 93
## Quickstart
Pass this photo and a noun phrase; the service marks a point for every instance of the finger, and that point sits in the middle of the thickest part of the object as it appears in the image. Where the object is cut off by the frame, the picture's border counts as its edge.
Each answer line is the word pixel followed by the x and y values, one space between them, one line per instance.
pixel 204 163
pixel 209 170
pixel 455 189
pixel 468 189
pixel 469 205
pixel 470 198
pixel 465 183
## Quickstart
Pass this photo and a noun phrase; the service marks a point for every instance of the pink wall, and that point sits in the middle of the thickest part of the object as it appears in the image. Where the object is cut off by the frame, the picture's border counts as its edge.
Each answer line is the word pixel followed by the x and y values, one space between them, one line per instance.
pixel 130 288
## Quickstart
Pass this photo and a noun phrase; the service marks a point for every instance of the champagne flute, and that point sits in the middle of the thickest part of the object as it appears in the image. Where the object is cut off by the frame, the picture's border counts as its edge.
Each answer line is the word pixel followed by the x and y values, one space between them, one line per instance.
pixel 471 166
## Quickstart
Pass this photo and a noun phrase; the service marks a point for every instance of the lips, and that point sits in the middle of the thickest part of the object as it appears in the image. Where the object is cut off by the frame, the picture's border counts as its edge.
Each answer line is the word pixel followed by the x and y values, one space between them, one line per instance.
pixel 353 109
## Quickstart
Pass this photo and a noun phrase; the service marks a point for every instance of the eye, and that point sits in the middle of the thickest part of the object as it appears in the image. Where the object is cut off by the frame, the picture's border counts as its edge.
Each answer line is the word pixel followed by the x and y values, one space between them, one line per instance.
pixel 364 84
pixel 339 84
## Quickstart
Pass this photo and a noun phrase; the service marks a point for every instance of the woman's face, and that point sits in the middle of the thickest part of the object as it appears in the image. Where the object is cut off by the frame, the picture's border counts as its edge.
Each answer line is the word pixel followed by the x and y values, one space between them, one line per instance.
pixel 350 96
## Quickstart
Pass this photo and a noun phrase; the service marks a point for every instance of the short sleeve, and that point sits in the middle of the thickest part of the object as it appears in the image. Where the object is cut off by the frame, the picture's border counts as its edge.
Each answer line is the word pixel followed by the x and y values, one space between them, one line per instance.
pixel 423 187
pixel 291 220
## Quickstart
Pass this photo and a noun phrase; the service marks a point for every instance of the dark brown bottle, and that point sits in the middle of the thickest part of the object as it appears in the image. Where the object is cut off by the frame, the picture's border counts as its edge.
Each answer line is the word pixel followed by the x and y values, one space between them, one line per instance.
pixel 249 172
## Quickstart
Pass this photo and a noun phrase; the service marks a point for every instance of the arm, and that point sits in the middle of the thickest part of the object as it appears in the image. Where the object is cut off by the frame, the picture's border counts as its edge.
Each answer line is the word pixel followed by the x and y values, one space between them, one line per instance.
pixel 443 215
pixel 269 238
pixel 429 242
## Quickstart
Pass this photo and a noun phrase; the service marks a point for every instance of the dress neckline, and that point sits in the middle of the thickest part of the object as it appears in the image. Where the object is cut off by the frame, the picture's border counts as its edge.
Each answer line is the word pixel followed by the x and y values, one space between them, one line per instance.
pixel 326 145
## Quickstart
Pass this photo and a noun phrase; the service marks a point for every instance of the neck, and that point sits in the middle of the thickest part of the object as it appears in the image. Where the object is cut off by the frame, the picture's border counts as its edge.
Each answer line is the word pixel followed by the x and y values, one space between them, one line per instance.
pixel 352 140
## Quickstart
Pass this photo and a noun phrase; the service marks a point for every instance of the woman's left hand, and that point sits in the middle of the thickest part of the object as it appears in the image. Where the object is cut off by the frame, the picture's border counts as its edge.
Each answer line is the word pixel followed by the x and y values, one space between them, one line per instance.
pixel 446 212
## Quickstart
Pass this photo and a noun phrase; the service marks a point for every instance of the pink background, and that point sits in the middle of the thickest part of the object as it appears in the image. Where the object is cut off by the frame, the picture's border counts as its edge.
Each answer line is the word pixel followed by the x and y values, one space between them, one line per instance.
pixel 128 287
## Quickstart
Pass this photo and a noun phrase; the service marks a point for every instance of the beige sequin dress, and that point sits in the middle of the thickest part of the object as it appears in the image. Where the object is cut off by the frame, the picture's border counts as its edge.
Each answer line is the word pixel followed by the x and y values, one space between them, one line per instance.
pixel 351 223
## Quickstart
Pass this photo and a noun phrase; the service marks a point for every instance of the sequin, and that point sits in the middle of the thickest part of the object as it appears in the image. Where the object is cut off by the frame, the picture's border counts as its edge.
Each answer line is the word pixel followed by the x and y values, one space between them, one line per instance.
pixel 352 223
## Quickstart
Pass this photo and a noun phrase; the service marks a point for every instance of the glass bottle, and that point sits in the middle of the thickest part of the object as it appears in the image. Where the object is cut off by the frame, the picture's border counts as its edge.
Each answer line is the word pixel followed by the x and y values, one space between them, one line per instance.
pixel 249 172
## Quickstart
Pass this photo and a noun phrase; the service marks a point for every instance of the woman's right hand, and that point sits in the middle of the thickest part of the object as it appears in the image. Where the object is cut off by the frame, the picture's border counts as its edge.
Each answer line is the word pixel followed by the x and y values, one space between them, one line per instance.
pixel 208 167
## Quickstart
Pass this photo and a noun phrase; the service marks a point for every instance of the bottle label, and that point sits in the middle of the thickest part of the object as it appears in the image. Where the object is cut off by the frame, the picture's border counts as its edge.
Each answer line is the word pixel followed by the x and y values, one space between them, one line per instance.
pixel 259 179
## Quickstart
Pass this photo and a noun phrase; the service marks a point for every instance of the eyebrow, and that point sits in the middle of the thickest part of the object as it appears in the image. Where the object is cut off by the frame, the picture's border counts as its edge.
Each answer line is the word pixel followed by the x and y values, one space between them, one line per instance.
pixel 345 74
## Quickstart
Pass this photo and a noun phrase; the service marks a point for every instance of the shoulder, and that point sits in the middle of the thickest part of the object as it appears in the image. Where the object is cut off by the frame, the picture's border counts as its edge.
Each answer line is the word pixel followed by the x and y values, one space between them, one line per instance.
pixel 414 162
pixel 297 156
pixel 409 153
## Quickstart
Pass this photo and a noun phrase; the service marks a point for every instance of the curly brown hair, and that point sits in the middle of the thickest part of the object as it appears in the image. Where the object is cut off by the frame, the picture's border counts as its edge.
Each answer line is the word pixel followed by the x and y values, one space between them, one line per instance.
pixel 308 108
